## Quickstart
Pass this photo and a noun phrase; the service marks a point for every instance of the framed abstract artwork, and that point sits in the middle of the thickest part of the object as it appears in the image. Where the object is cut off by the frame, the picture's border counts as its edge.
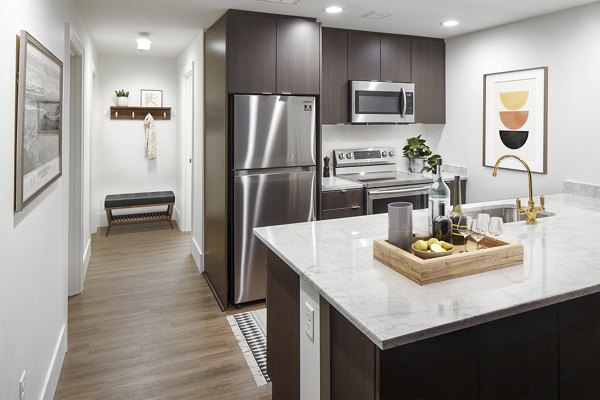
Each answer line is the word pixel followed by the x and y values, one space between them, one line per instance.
pixel 515 118
pixel 151 98
pixel 38 150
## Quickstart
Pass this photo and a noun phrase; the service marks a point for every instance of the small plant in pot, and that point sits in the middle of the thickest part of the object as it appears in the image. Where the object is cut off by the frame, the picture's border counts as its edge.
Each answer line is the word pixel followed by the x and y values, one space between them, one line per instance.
pixel 122 98
pixel 419 155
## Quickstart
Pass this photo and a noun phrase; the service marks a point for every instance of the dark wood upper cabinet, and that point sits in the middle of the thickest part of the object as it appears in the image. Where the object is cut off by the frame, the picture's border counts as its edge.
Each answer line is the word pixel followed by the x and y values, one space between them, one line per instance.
pixel 334 96
pixel 428 68
pixel 298 53
pixel 251 50
pixel 364 56
pixel 395 58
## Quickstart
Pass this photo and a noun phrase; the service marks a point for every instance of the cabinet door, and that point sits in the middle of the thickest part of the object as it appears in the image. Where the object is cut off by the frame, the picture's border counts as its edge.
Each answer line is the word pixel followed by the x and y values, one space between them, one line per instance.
pixel 428 67
pixel 298 50
pixel 364 56
pixel 334 95
pixel 252 45
pixel 579 348
pixel 395 59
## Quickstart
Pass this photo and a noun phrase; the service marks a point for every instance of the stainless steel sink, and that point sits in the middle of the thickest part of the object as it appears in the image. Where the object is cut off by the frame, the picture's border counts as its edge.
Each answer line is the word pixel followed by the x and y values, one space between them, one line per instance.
pixel 507 212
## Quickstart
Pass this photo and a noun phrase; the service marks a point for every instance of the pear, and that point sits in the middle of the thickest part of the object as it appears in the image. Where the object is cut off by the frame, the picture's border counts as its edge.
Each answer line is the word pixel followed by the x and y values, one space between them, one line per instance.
pixel 420 245
pixel 432 241
pixel 446 245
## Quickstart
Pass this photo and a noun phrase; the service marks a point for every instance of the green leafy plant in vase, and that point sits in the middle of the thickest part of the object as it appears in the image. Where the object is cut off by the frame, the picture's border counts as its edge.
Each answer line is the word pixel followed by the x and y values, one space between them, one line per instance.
pixel 419 155
pixel 122 98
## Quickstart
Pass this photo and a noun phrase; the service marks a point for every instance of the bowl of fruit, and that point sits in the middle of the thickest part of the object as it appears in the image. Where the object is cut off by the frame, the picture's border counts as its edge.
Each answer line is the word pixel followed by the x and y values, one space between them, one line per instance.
pixel 432 248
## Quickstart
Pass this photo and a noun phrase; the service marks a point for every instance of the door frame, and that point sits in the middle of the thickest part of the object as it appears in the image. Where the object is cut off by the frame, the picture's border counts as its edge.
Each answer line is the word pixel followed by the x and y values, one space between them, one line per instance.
pixel 75 185
pixel 187 134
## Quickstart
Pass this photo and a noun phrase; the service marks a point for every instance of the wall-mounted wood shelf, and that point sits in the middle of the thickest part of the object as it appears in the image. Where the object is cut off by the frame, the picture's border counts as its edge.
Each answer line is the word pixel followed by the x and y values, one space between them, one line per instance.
pixel 130 113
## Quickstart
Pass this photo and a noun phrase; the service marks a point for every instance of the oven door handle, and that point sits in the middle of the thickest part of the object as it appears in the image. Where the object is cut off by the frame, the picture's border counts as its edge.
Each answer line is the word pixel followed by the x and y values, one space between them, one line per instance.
pixel 397 191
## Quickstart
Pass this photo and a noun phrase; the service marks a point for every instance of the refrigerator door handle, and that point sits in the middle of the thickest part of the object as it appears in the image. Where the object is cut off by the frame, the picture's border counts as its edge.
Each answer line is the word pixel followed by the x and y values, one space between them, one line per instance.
pixel 264 171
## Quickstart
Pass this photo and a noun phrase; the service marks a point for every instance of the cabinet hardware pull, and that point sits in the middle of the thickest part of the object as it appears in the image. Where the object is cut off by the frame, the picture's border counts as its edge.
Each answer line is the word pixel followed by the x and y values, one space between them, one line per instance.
pixel 355 207
pixel 343 191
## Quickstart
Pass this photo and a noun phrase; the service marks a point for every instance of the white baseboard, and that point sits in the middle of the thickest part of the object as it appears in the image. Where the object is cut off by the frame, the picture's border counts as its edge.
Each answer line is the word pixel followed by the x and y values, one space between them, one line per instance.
pixel 197 255
pixel 58 358
pixel 87 253
pixel 177 216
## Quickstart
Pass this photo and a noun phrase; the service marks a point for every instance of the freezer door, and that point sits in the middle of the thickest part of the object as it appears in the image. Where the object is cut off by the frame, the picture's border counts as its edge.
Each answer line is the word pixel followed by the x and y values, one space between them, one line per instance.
pixel 273 131
pixel 273 198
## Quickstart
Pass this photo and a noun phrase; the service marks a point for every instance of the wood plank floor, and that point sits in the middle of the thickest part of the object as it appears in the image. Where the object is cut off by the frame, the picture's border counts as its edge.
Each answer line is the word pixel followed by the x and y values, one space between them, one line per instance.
pixel 148 327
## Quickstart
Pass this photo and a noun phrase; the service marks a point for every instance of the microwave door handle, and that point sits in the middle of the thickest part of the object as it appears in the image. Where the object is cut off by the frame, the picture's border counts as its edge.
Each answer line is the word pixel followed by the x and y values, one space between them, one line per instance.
pixel 402 100
pixel 403 103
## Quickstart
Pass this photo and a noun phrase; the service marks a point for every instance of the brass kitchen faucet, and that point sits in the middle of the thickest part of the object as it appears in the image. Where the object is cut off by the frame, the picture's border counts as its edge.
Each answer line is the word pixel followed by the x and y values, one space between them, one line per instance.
pixel 531 211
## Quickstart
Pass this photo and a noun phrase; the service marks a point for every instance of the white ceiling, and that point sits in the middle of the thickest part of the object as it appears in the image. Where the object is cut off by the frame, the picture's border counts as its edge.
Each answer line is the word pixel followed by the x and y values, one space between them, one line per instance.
pixel 114 24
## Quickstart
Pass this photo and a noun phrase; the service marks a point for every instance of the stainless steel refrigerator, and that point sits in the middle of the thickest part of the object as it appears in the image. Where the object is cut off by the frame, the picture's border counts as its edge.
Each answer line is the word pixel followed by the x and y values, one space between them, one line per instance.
pixel 274 179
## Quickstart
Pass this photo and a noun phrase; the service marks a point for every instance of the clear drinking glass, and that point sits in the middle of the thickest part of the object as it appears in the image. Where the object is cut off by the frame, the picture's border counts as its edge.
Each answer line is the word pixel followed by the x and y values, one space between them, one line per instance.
pixel 496 226
pixel 477 234
pixel 464 228
pixel 483 222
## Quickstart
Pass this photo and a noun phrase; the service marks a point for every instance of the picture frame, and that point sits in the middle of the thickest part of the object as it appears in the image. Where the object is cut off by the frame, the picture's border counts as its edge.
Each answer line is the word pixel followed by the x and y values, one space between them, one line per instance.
pixel 151 98
pixel 515 118
pixel 38 131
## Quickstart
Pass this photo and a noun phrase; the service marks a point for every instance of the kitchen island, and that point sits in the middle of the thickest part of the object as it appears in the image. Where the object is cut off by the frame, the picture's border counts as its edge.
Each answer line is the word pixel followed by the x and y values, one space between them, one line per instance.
pixel 528 331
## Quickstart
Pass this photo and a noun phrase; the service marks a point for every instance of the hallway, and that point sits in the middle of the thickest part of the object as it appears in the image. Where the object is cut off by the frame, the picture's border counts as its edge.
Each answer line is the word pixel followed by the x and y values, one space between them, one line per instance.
pixel 148 327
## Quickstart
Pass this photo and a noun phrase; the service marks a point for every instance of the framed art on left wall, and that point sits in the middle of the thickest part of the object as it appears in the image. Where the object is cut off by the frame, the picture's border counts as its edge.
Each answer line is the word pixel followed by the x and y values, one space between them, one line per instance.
pixel 38 150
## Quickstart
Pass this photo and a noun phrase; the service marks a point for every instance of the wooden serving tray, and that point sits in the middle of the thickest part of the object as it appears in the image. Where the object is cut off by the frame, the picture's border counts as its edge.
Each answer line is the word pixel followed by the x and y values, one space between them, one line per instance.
pixel 494 254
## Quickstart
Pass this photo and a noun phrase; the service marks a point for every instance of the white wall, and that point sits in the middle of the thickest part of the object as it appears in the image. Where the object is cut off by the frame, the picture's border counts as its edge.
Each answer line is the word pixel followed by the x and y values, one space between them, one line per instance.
pixel 33 270
pixel 567 43
pixel 120 165
pixel 195 53
pixel 359 136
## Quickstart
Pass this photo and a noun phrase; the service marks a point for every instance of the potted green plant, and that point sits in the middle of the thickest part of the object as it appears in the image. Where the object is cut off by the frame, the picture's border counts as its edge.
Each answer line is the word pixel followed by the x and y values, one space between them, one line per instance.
pixel 122 98
pixel 419 155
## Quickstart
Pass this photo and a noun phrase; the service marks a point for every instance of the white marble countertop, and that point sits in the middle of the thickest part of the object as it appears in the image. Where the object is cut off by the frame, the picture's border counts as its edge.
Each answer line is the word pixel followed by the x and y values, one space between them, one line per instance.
pixel 335 183
pixel 562 261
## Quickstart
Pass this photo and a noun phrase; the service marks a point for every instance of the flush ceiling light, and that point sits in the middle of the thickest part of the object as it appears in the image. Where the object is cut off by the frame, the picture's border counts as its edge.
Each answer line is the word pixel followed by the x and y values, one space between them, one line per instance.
pixel 333 9
pixel 143 41
pixel 450 23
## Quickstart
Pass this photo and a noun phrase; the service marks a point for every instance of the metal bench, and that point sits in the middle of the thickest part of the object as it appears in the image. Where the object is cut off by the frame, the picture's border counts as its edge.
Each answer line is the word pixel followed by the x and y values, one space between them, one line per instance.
pixel 136 200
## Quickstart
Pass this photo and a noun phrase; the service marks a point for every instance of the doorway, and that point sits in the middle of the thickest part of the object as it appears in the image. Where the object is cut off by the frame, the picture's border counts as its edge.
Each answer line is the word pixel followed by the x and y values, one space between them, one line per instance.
pixel 186 143
pixel 77 255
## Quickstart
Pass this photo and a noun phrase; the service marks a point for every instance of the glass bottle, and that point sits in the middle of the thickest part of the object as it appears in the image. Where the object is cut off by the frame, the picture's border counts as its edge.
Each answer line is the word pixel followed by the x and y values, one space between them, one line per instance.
pixel 457 213
pixel 442 225
pixel 439 193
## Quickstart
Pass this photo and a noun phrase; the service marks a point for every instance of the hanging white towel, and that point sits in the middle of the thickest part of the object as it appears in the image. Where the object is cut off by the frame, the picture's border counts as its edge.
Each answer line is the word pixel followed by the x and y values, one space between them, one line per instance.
pixel 150 142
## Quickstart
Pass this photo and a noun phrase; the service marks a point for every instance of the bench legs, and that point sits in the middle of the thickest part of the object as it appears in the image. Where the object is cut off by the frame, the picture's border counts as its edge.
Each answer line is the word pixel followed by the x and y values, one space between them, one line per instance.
pixel 170 210
pixel 109 217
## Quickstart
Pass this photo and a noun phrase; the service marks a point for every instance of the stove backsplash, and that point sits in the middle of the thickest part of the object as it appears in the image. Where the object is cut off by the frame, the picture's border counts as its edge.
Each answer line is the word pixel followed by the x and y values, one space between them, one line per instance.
pixel 362 136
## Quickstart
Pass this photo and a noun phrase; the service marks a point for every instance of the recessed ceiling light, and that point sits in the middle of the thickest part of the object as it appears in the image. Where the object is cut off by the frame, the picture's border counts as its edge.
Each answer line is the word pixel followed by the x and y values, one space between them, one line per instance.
pixel 333 9
pixel 376 15
pixel 450 23
pixel 143 41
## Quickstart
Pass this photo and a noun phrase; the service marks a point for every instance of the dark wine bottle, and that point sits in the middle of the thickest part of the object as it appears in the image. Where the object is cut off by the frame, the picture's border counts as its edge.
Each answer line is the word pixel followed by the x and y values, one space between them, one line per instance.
pixel 457 215
pixel 442 225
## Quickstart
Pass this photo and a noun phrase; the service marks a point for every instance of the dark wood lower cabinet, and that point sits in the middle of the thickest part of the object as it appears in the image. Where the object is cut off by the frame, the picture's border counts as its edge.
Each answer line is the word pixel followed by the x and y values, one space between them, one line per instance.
pixel 518 357
pixel 579 348
pixel 283 325
pixel 548 353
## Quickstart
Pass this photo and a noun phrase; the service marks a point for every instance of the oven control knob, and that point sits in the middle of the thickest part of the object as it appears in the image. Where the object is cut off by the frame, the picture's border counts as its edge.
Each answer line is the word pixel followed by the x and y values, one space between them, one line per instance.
pixel 348 155
pixel 341 156
pixel 384 153
pixel 391 153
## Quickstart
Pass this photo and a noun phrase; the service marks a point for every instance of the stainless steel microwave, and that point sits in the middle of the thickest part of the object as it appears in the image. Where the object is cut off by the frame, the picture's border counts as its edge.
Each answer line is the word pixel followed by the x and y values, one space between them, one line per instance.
pixel 373 102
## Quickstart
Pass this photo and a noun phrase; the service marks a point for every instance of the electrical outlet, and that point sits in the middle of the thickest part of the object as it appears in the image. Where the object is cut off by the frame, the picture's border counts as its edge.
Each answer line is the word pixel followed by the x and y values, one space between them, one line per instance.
pixel 22 386
pixel 309 327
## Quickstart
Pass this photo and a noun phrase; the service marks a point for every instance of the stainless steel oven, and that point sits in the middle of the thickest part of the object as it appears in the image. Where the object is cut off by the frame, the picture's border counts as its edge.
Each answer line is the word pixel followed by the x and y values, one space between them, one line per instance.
pixel 381 102
pixel 377 199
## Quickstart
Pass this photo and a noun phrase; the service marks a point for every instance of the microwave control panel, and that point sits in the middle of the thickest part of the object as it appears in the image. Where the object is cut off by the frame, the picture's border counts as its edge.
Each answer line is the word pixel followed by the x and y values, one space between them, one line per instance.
pixel 410 103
